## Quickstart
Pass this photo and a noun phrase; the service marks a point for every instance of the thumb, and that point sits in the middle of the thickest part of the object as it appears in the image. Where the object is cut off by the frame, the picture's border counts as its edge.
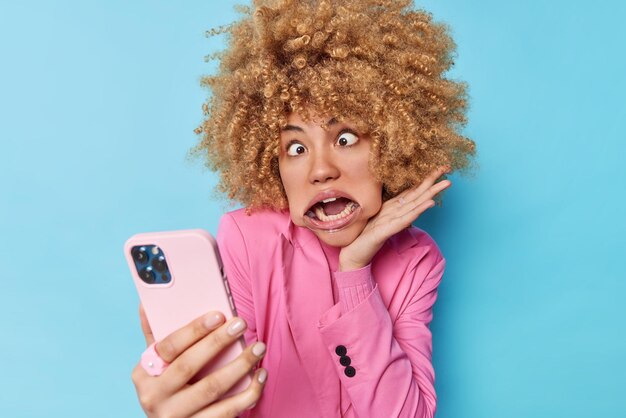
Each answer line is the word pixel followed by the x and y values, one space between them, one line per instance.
pixel 145 326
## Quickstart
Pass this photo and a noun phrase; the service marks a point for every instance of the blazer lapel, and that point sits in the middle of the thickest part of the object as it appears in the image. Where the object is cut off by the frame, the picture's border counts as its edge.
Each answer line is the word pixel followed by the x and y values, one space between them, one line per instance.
pixel 307 287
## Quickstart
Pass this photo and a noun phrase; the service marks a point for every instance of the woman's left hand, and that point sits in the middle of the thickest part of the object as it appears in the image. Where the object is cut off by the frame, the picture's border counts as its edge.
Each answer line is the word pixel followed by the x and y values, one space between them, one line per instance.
pixel 394 215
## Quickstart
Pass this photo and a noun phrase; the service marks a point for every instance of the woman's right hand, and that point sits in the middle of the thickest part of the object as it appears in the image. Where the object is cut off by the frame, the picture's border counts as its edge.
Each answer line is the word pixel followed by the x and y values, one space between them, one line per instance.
pixel 187 350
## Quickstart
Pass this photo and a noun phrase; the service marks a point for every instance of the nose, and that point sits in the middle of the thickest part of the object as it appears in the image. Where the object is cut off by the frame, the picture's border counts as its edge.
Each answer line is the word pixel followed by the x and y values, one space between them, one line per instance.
pixel 322 168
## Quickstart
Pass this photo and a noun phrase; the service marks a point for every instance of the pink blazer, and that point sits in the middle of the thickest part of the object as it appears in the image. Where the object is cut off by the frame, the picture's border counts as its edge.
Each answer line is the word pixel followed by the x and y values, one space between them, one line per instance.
pixel 282 279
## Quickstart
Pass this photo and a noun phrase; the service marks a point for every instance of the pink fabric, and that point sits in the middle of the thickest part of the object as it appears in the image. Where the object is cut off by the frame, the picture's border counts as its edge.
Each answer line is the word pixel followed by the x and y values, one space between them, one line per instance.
pixel 282 283
pixel 354 286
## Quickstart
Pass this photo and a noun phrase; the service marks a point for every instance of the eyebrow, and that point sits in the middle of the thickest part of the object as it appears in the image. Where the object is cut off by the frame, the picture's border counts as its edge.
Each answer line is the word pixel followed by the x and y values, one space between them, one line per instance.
pixel 330 122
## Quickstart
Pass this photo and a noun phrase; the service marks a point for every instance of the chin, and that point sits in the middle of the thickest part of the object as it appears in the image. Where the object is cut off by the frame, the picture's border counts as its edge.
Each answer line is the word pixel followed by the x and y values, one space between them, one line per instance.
pixel 341 238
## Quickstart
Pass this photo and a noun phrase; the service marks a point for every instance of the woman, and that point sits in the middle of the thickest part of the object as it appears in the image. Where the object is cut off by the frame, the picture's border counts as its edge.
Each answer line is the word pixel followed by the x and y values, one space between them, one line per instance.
pixel 331 122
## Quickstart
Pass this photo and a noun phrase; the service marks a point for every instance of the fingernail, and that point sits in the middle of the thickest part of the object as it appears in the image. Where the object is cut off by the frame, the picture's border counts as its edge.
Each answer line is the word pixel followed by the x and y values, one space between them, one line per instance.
pixel 236 327
pixel 262 376
pixel 258 349
pixel 212 320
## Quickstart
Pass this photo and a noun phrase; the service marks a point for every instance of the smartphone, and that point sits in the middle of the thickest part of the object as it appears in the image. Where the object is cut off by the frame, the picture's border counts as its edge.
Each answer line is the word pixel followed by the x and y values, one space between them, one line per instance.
pixel 179 276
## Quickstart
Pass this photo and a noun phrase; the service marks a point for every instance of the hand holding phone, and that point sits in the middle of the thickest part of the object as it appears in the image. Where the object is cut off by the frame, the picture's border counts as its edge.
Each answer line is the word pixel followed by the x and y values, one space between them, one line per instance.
pixel 187 350
pixel 179 278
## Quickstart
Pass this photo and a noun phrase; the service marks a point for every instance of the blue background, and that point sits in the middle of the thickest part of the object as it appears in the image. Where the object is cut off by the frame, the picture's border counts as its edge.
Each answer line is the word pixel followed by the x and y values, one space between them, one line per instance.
pixel 98 102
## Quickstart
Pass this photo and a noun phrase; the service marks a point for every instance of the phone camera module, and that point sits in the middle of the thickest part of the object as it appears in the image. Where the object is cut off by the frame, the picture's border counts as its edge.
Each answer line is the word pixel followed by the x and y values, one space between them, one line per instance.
pixel 147 275
pixel 140 255
pixel 150 264
pixel 159 264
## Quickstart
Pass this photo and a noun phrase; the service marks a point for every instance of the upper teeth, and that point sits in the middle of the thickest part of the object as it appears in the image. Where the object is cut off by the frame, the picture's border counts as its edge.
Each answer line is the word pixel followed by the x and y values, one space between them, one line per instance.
pixel 330 199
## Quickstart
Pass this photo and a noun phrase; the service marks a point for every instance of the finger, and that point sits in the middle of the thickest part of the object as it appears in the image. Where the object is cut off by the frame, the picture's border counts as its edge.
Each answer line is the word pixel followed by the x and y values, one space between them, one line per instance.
pixel 145 326
pixel 180 340
pixel 138 375
pixel 409 217
pixel 406 207
pixel 432 192
pixel 189 362
pixel 426 184
pixel 215 385
pixel 235 405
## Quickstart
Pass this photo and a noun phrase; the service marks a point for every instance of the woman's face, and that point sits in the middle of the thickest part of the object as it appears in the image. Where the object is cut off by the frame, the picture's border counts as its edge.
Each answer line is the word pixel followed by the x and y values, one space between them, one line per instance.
pixel 326 177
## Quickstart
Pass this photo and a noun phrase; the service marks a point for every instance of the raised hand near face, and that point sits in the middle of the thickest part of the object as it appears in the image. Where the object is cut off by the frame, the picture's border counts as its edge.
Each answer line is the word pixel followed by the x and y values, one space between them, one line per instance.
pixel 395 215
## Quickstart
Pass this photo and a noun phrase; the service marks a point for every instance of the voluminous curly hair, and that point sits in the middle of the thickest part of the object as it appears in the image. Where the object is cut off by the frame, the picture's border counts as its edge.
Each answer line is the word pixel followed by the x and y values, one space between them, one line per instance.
pixel 379 64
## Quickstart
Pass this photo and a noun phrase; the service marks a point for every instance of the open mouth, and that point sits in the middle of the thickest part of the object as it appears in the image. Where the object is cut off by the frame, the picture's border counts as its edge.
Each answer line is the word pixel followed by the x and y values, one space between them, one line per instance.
pixel 332 213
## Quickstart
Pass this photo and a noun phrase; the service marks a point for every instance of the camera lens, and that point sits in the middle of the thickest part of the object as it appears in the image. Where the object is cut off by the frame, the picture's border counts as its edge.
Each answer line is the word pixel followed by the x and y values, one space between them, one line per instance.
pixel 139 254
pixel 159 264
pixel 147 275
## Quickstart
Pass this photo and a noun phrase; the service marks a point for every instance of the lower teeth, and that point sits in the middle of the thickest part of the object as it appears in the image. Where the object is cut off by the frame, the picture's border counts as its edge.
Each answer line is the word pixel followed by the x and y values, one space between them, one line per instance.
pixel 319 212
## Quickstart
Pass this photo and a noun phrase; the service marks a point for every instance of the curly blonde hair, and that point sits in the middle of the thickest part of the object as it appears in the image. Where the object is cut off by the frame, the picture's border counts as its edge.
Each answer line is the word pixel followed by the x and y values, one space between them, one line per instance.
pixel 377 63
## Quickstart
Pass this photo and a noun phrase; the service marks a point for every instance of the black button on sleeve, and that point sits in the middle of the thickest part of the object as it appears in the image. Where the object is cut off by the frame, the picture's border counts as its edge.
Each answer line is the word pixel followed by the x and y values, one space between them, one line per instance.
pixel 349 371
pixel 345 361
pixel 341 350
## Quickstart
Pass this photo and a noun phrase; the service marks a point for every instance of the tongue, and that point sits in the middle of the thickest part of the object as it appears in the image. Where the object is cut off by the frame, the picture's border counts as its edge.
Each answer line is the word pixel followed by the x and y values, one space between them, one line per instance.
pixel 335 207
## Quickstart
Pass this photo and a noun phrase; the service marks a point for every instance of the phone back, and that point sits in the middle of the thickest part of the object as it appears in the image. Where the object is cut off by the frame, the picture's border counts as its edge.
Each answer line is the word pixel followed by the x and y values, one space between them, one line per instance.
pixel 180 278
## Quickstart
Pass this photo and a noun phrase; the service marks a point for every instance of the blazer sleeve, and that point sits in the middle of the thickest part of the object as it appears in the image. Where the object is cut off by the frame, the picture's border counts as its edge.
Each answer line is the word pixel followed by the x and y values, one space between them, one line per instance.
pixel 234 255
pixel 388 370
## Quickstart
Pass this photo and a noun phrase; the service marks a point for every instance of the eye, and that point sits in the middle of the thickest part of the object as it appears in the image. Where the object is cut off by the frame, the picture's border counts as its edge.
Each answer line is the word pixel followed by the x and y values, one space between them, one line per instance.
pixel 295 148
pixel 347 138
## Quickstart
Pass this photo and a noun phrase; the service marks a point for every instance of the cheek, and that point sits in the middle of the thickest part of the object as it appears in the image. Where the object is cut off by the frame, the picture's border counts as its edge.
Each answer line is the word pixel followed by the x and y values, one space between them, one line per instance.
pixel 372 194
pixel 373 207
pixel 375 201
pixel 292 191
pixel 285 177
